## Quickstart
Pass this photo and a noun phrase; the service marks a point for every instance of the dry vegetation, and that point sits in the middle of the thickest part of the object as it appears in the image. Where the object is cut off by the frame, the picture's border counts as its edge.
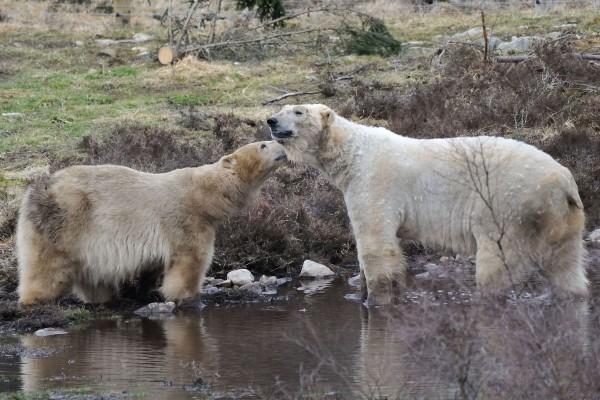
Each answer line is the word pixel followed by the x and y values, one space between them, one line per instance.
pixel 77 104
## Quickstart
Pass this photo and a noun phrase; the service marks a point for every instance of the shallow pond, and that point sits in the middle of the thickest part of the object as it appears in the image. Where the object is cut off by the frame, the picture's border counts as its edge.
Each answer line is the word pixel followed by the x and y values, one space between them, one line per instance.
pixel 440 343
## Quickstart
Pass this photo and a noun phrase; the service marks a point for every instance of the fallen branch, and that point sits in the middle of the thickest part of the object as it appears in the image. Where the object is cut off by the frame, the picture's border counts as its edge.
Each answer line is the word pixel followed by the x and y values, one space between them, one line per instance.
pixel 248 41
pixel 515 59
pixel 285 96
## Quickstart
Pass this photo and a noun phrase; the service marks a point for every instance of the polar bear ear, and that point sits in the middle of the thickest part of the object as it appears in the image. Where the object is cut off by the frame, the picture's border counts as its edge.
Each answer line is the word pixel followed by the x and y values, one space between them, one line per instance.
pixel 328 116
pixel 228 161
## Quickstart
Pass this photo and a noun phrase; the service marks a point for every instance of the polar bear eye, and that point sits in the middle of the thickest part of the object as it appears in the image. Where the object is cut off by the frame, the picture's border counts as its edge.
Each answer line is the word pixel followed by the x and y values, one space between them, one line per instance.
pixel 263 146
pixel 298 113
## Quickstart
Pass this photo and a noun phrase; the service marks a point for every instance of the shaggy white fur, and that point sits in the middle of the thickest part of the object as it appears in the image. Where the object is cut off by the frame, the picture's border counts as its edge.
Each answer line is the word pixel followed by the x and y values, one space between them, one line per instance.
pixel 89 228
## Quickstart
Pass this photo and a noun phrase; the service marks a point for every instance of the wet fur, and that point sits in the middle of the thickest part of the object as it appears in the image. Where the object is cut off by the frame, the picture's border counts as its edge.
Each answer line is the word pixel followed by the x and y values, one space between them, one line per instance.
pixel 508 203
pixel 89 228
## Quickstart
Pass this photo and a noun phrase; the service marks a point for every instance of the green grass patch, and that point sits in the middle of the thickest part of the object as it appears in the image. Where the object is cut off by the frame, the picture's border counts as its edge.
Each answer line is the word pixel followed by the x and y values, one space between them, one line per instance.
pixel 78 315
pixel 186 99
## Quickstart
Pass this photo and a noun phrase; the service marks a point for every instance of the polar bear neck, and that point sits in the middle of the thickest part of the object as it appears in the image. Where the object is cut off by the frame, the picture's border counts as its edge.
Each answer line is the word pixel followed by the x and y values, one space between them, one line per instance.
pixel 338 148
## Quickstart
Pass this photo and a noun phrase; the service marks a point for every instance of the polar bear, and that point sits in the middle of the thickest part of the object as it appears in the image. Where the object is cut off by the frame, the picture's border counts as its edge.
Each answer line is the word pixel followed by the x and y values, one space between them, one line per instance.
pixel 89 228
pixel 508 203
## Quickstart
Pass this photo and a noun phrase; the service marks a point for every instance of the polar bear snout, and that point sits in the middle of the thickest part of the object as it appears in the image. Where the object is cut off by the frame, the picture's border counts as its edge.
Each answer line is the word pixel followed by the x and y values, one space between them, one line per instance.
pixel 278 131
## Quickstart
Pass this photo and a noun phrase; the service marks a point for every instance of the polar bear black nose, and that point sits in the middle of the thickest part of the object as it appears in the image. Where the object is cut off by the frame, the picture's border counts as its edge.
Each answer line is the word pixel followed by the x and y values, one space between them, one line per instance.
pixel 272 121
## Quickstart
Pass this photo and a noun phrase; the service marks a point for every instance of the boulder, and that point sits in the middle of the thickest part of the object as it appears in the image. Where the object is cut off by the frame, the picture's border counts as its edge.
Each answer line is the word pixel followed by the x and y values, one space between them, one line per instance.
pixel 240 277
pixel 311 269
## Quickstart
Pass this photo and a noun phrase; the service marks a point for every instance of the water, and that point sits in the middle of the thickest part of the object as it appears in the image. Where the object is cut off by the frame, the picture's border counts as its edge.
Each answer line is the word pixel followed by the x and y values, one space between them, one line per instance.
pixel 315 341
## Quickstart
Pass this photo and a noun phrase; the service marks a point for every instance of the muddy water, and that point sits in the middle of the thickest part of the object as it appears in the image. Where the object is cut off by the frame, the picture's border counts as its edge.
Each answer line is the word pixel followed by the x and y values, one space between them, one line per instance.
pixel 313 340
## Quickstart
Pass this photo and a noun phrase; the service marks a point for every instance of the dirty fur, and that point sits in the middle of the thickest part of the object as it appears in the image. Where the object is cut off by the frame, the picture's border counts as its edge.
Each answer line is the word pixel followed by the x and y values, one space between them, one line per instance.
pixel 509 204
pixel 88 228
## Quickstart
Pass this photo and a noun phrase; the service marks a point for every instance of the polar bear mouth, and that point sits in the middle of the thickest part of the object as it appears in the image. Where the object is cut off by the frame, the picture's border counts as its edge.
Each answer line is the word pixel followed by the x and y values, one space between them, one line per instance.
pixel 281 134
pixel 281 157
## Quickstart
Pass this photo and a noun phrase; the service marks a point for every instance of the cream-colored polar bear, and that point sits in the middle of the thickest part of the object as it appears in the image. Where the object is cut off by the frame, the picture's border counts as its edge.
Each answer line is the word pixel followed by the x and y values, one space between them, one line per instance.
pixel 89 228
pixel 508 203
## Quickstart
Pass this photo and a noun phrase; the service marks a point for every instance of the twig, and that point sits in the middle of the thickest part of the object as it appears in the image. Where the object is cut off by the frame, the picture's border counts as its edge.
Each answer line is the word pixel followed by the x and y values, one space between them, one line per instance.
pixel 485 37
pixel 187 21
pixel 276 99
pixel 240 42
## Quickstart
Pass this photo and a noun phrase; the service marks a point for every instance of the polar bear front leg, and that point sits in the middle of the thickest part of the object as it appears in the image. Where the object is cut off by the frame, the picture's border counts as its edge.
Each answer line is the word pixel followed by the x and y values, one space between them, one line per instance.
pixel 382 263
pixel 187 270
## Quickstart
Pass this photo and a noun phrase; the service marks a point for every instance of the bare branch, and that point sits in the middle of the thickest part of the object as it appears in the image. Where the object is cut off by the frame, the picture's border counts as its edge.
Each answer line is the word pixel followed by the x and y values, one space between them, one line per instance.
pixel 276 99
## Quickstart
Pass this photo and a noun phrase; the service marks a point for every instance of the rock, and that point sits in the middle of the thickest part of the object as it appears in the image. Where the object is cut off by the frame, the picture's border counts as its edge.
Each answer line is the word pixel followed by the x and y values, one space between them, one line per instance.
pixel 142 37
pixel 217 282
pixel 268 281
pixel 156 308
pixel 49 332
pixel 431 267
pixel 461 258
pixel 311 269
pixel 424 275
pixel 240 277
pixel 354 280
pixel 471 34
pixel 225 284
pixel 444 259
pixel 493 42
pixel 283 281
pixel 12 114
pixel 112 53
pixel 594 236
pixel 79 43
pixel 520 44
pixel 209 289
pixel 253 287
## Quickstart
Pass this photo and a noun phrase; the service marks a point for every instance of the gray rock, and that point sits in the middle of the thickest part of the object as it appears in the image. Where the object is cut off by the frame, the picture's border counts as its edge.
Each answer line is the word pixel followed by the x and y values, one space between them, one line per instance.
pixel 49 332
pixel 520 44
pixel 311 269
pixel 156 308
pixel 283 281
pixel 253 287
pixel 594 236
pixel 210 289
pixel 112 53
pixel 142 37
pixel 225 284
pixel 240 277
pixel 424 275
pixel 268 281
pixel 217 282
pixel 471 34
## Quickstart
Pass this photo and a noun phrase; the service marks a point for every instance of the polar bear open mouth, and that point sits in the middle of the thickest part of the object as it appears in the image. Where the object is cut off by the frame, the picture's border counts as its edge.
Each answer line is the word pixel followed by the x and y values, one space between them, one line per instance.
pixel 278 135
pixel 281 157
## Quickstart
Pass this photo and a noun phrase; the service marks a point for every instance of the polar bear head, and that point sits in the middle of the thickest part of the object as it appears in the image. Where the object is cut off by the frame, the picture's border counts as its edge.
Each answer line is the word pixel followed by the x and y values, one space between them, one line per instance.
pixel 300 129
pixel 255 161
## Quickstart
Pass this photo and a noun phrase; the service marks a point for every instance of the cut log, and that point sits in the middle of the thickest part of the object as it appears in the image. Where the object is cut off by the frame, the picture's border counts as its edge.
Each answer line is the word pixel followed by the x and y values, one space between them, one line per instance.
pixel 166 55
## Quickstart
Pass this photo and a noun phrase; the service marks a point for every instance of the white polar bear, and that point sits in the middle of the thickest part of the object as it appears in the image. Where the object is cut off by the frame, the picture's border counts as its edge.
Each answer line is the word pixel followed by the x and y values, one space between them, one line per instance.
pixel 507 202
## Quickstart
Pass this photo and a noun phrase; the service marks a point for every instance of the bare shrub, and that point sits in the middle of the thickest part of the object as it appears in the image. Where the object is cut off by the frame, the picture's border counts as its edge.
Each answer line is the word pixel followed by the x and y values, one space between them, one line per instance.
pixel 145 148
pixel 298 214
